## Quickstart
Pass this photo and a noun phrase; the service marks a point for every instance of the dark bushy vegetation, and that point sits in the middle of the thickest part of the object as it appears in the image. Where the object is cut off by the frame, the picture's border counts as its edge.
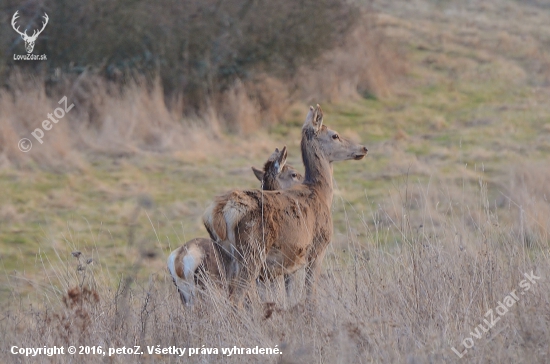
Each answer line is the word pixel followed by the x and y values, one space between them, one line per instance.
pixel 196 47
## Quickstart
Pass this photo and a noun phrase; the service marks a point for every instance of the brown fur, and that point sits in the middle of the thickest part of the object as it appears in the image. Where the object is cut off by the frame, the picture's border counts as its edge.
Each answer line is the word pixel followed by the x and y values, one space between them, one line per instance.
pixel 218 221
pixel 210 259
pixel 282 231
pixel 272 178
pixel 207 257
pixel 276 174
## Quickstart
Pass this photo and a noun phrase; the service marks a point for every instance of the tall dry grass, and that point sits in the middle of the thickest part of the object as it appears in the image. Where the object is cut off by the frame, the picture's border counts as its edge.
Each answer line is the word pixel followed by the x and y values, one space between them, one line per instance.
pixel 105 120
pixel 365 64
pixel 412 282
pixel 139 116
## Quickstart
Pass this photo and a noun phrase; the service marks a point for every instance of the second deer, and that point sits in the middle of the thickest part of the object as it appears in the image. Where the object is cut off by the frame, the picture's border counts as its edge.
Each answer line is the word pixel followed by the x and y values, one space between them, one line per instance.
pixel 200 257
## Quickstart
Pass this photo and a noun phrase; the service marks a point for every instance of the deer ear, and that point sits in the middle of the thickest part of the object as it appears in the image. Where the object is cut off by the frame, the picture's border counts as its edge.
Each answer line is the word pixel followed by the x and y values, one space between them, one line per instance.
pixel 314 118
pixel 309 118
pixel 281 161
pixel 259 174
pixel 318 117
pixel 284 153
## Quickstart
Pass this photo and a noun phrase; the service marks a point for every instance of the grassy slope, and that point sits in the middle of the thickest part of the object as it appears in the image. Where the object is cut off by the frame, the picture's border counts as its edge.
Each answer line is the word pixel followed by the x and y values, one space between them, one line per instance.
pixel 428 233
pixel 474 103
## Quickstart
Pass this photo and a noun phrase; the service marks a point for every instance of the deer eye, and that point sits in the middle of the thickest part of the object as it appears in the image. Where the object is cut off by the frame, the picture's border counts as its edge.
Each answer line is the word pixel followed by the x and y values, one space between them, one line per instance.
pixel 335 136
pixel 294 175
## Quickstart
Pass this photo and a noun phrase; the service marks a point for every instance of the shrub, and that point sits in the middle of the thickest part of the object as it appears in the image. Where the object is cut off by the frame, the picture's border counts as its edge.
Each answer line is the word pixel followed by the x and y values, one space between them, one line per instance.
pixel 198 48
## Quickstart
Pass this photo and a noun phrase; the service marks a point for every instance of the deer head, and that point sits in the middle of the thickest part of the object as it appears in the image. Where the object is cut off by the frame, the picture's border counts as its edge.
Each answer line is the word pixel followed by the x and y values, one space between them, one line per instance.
pixel 29 41
pixel 277 175
pixel 334 147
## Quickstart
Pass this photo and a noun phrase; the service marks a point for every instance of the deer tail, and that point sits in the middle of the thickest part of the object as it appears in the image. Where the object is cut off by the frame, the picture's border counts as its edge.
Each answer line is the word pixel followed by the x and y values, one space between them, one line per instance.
pixel 182 264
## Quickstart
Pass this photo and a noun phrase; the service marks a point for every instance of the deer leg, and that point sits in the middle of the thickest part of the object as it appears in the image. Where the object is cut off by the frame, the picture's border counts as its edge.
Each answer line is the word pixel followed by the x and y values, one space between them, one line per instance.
pixel 313 270
pixel 289 284
pixel 251 262
pixel 242 283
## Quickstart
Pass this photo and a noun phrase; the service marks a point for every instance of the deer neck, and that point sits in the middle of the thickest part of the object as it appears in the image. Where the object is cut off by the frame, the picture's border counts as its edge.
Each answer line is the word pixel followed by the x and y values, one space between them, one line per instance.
pixel 318 169
pixel 270 183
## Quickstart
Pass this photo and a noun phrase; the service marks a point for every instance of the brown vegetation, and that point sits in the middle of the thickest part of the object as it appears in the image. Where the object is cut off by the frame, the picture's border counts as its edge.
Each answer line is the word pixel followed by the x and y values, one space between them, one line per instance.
pixel 125 103
pixel 438 227
pixel 413 302
pixel 286 230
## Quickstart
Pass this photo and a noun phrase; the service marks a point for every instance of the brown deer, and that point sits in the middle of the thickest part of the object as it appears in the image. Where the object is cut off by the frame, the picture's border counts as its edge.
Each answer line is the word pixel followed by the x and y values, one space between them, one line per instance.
pixel 201 257
pixel 282 231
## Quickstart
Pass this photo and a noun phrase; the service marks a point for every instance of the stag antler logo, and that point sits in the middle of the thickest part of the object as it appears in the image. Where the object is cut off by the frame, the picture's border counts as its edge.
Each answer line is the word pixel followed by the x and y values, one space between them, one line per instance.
pixel 29 41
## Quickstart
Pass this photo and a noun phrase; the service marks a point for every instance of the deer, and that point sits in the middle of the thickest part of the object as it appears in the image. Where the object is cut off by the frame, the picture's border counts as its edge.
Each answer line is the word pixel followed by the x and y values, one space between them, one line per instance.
pixel 201 257
pixel 29 41
pixel 279 232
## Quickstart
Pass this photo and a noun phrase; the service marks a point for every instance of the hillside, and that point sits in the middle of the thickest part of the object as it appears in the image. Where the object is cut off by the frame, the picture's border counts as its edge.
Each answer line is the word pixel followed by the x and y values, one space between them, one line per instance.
pixel 438 223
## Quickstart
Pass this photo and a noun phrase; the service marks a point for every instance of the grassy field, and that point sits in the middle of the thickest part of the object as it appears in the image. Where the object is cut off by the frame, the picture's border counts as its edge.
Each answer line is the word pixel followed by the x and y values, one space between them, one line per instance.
pixel 434 228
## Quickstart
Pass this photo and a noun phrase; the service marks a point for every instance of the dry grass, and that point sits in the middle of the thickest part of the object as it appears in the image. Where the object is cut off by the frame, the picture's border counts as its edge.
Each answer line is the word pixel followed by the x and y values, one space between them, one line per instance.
pixel 138 116
pixel 409 285
pixel 104 121
pixel 365 65
pixel 438 225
